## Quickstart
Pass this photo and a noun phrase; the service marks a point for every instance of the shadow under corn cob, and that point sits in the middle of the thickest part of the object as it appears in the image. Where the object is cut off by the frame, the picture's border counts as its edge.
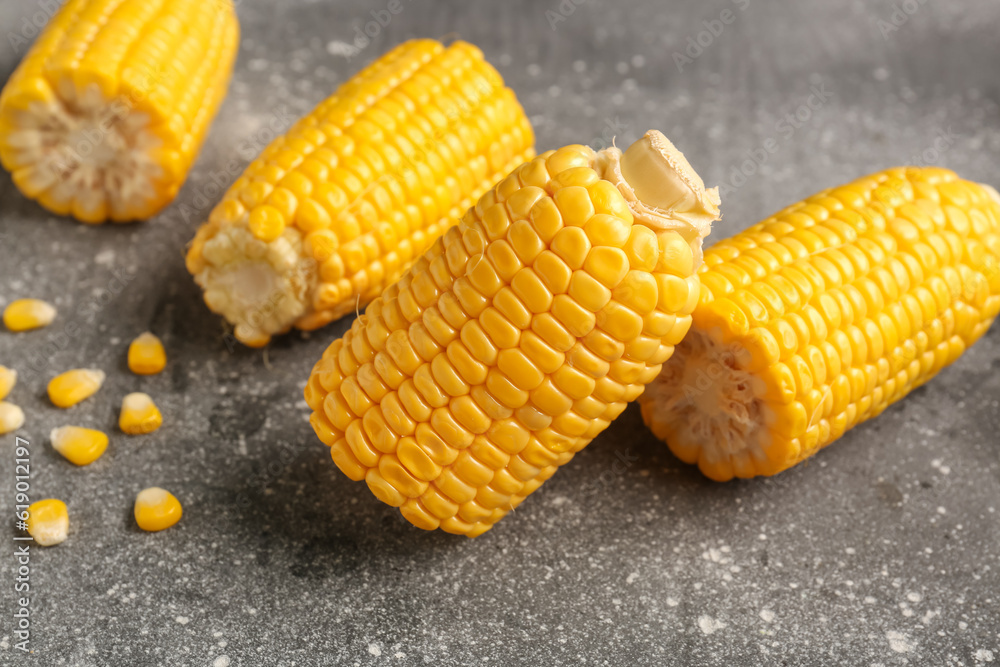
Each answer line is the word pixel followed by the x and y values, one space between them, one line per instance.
pixel 826 313
pixel 335 210
pixel 519 335
pixel 106 113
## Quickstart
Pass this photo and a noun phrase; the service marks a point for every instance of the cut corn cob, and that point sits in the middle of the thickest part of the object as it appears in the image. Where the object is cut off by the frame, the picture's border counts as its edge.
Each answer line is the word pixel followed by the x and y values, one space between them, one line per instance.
pixel 28 314
pixel 823 315
pixel 107 111
pixel 8 378
pixel 11 417
pixel 146 355
pixel 48 522
pixel 156 509
pixel 139 415
pixel 519 335
pixel 81 446
pixel 336 210
pixel 69 388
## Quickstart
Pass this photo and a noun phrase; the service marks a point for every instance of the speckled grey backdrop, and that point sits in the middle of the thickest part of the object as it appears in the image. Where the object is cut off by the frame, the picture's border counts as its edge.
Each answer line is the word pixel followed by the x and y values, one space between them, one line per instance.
pixel 883 550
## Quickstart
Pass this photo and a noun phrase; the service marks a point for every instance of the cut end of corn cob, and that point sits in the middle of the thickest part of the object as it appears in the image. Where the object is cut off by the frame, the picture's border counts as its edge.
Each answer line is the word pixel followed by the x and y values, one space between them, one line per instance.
pixel 156 509
pixel 518 336
pixel 336 210
pixel 146 355
pixel 8 378
pixel 139 415
pixel 823 315
pixel 11 417
pixel 28 314
pixel 81 446
pixel 48 522
pixel 105 114
pixel 69 388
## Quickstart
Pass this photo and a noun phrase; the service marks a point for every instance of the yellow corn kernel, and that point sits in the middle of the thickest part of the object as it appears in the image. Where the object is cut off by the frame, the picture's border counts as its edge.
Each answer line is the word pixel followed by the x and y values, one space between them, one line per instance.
pixel 8 378
pixel 11 417
pixel 146 355
pixel 48 522
pixel 156 509
pixel 81 446
pixel 824 315
pixel 108 109
pixel 519 335
pixel 69 388
pixel 139 415
pixel 28 314
pixel 336 210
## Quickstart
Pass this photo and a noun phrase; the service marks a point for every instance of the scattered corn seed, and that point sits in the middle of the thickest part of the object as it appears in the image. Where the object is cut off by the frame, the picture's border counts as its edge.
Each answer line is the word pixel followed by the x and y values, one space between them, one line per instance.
pixel 71 387
pixel 27 314
pixel 48 521
pixel 146 355
pixel 139 415
pixel 79 445
pixel 8 378
pixel 156 509
pixel 11 417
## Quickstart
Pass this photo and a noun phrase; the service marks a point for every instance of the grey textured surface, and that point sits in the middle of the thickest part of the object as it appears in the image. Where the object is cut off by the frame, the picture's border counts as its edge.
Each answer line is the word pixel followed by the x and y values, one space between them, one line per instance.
pixel 882 550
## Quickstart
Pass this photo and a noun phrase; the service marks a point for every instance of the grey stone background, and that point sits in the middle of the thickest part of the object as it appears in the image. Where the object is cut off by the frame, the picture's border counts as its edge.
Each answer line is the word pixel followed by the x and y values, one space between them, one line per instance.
pixel 882 550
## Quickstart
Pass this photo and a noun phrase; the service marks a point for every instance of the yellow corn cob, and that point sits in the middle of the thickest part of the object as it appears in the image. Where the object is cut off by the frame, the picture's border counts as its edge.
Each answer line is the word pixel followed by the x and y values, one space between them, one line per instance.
pixel 11 417
pixel 823 315
pixel 48 522
pixel 139 415
pixel 107 111
pixel 81 446
pixel 336 210
pixel 28 314
pixel 519 335
pixel 69 388
pixel 8 378
pixel 146 355
pixel 156 509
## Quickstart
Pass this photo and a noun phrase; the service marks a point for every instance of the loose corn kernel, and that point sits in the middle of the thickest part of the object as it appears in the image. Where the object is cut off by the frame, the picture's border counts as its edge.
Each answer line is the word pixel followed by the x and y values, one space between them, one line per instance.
pixel 80 446
pixel 517 338
pixel 48 522
pixel 11 417
pixel 337 209
pixel 139 415
pixel 156 509
pixel 823 315
pixel 69 388
pixel 28 314
pixel 8 378
pixel 146 355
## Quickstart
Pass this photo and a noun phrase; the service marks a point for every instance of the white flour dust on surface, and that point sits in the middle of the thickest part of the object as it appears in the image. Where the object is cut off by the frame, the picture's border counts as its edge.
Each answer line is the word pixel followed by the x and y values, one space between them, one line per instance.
pixel 983 655
pixel 899 642
pixel 709 625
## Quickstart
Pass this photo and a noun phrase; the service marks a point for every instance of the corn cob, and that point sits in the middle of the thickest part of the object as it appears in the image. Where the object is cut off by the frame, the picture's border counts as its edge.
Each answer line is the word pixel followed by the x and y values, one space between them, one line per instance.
pixel 519 335
pixel 336 210
pixel 823 315
pixel 106 113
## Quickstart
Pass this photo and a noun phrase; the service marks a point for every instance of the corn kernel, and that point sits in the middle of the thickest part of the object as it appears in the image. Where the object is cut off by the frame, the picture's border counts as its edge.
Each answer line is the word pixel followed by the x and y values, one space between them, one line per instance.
pixel 71 387
pixel 139 415
pixel 8 378
pixel 11 417
pixel 156 509
pixel 81 446
pixel 146 355
pixel 27 314
pixel 48 522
